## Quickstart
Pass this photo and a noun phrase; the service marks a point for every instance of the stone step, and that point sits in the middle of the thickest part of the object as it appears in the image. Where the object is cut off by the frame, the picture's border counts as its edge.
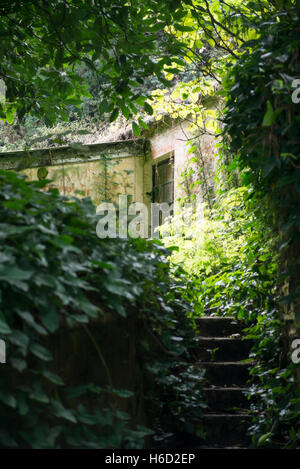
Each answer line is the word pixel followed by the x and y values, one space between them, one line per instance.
pixel 214 326
pixel 224 429
pixel 226 373
pixel 223 348
pixel 220 398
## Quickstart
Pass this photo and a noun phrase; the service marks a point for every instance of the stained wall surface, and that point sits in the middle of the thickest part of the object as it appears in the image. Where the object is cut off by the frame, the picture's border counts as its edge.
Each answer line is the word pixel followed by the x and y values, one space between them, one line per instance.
pixel 106 170
pixel 99 171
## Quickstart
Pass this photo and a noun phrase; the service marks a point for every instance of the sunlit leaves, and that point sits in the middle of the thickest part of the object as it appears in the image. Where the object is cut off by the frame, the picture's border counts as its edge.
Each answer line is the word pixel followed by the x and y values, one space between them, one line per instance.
pixel 136 129
pixel 191 101
pixel 270 116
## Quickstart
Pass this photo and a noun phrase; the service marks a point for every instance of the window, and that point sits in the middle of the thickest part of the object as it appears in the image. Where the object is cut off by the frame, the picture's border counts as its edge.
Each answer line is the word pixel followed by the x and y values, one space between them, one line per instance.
pixel 163 181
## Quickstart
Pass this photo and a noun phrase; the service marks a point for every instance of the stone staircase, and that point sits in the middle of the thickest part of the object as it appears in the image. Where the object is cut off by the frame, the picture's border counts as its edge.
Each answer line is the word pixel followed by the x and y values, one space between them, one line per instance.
pixel 221 348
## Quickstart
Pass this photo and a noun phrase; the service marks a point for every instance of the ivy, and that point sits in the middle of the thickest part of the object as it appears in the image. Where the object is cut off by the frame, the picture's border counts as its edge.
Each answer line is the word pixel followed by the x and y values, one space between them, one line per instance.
pixel 231 257
pixel 260 123
pixel 57 278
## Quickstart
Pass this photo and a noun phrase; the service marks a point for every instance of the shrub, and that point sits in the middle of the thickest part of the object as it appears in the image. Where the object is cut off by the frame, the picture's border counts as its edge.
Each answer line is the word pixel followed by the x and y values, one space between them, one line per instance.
pixel 228 255
pixel 56 276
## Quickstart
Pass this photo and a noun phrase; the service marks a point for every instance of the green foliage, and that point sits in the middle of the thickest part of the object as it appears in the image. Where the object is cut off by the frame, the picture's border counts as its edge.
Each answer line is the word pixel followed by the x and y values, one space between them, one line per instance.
pixel 227 254
pixel 177 411
pixel 56 274
pixel 188 101
pixel 265 119
pixel 261 121
pixel 104 59
pixel 252 49
pixel 46 45
pixel 233 271
pixel 274 393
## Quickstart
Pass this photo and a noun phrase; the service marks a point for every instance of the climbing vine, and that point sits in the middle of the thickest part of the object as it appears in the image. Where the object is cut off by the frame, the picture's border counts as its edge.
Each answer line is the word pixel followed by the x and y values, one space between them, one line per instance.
pixel 261 122
pixel 60 287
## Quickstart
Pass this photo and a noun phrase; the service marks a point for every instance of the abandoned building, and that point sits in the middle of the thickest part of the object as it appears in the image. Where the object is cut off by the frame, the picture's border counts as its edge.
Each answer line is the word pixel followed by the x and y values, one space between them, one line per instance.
pixel 147 169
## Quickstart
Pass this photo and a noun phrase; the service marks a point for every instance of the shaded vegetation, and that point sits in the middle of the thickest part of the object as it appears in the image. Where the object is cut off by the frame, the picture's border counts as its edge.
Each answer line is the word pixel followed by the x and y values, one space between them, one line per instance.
pixel 230 254
pixel 57 275
pixel 242 259
pixel 261 127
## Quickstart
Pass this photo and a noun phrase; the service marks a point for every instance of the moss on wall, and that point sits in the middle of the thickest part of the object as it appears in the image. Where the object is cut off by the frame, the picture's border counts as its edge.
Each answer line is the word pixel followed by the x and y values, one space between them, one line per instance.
pixel 100 171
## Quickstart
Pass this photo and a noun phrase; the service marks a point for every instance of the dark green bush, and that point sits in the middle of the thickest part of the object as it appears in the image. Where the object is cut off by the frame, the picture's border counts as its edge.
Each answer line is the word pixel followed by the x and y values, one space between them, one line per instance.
pixel 260 127
pixel 56 274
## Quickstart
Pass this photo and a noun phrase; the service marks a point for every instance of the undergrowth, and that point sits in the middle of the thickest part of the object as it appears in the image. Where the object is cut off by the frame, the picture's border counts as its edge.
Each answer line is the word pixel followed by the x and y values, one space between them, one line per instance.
pixel 58 279
pixel 231 256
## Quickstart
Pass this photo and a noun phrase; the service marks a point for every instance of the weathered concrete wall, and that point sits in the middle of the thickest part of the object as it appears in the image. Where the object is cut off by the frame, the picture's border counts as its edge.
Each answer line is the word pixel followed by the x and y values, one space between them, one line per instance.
pixel 100 180
pixel 172 140
pixel 75 153
pixel 99 171
pixel 103 171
